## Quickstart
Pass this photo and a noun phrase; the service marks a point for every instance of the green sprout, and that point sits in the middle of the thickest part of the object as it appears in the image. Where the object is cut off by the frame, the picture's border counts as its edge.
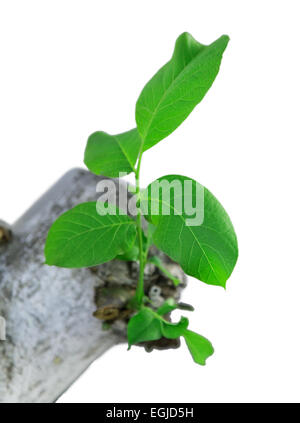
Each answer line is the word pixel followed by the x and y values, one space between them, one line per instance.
pixel 87 236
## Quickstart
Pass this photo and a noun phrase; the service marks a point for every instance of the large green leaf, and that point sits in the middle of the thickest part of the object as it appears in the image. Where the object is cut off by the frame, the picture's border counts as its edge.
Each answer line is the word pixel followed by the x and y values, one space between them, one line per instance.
pixel 82 238
pixel 109 155
pixel 173 92
pixel 207 251
pixel 200 347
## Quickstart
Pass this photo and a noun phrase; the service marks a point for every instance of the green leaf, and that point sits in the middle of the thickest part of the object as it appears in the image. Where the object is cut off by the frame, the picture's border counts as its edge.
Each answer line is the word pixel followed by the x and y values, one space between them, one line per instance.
pixel 150 231
pixel 168 306
pixel 158 263
pixel 109 155
pixel 133 253
pixel 143 326
pixel 173 92
pixel 130 255
pixel 174 330
pixel 147 325
pixel 82 238
pixel 200 347
pixel 207 251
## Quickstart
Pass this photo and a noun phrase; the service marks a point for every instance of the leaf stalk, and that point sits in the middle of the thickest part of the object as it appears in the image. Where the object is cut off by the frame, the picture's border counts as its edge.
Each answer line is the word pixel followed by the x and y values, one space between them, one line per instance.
pixel 139 295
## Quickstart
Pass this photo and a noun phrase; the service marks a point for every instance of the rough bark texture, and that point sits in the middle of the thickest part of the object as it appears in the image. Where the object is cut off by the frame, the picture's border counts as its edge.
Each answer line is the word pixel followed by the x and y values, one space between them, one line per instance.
pixel 51 333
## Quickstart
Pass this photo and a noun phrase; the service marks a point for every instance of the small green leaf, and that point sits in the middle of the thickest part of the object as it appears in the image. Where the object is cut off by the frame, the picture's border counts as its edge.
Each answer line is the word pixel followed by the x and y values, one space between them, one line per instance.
pixel 147 325
pixel 200 347
pixel 168 306
pixel 82 238
pixel 174 330
pixel 173 92
pixel 158 263
pixel 130 255
pixel 109 155
pixel 150 230
pixel 143 326
pixel 208 251
pixel 133 253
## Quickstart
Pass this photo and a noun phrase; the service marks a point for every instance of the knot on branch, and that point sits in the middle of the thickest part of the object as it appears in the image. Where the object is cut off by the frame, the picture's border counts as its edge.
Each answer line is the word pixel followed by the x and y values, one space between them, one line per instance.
pixel 113 297
pixel 5 232
pixel 111 313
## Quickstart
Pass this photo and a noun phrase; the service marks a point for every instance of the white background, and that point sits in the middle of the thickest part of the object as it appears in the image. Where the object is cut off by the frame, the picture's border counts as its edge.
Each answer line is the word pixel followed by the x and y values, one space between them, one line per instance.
pixel 69 68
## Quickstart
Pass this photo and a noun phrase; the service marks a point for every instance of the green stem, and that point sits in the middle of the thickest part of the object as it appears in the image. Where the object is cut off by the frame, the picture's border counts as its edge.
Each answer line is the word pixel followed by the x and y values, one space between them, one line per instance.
pixel 139 295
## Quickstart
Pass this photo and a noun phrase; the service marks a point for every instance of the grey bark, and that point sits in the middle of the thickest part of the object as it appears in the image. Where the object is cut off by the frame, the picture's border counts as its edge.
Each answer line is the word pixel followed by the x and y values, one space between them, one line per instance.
pixel 51 333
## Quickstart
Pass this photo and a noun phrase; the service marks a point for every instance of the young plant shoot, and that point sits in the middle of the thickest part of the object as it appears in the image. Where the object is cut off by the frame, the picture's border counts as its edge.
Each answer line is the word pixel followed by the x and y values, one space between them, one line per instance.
pixel 185 220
